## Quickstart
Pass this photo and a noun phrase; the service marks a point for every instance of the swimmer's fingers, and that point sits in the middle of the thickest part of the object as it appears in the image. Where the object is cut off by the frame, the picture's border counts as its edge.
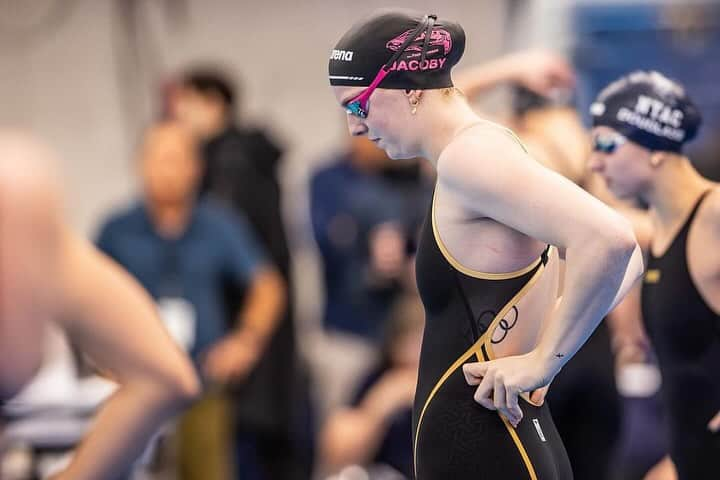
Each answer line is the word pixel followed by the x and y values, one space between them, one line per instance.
pixel 505 401
pixel 484 391
pixel 474 372
pixel 498 395
pixel 515 414
pixel 714 424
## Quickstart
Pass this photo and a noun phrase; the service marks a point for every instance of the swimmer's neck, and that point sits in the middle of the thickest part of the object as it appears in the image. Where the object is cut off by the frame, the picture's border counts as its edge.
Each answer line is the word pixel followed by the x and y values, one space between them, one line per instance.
pixel 441 124
pixel 674 192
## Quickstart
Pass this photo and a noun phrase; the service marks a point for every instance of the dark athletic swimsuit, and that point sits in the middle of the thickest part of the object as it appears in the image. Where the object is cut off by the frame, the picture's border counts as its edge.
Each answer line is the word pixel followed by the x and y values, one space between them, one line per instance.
pixel 455 438
pixel 686 335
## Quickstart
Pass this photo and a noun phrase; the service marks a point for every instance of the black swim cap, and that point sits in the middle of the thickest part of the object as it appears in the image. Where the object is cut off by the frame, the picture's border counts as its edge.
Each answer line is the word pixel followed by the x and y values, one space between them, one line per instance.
pixel 423 64
pixel 649 109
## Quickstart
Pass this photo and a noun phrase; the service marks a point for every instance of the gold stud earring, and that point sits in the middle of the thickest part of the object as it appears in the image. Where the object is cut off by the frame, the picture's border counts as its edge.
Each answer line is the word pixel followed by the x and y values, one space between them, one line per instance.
pixel 414 104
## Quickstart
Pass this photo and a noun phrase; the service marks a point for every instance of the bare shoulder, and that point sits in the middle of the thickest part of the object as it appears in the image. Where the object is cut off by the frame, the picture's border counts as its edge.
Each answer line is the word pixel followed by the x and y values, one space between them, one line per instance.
pixel 479 153
pixel 711 207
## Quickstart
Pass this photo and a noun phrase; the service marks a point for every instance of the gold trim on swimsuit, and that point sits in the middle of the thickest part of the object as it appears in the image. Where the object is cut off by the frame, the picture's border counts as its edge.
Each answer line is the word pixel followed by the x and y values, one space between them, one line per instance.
pixel 482 347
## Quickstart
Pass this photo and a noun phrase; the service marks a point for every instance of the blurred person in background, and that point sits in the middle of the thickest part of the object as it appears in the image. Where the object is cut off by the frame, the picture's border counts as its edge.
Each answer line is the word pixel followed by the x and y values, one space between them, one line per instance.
pixel 48 273
pixel 366 211
pixel 183 251
pixel 375 427
pixel 540 80
pixel 641 124
pixel 240 168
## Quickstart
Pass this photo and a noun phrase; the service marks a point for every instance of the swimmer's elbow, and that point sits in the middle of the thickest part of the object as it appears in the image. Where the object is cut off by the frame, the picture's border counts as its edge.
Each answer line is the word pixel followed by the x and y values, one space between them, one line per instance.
pixel 624 242
pixel 179 386
pixel 619 244
pixel 186 386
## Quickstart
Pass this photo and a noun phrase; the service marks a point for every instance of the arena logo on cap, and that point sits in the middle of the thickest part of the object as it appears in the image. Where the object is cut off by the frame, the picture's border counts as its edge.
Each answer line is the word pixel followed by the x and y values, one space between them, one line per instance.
pixel 344 55
pixel 654 116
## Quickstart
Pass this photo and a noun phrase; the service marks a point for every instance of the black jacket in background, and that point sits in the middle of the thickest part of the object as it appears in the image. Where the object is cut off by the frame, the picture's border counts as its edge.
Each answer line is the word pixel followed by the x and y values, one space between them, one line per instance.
pixel 241 171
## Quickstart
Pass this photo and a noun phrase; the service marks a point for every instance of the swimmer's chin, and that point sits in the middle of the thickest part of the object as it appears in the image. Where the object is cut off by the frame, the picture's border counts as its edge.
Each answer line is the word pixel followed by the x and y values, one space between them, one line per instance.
pixel 395 155
pixel 623 194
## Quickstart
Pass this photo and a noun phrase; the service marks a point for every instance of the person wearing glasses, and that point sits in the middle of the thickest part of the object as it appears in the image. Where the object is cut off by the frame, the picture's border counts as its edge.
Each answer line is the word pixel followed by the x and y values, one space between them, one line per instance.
pixel 499 326
pixel 641 123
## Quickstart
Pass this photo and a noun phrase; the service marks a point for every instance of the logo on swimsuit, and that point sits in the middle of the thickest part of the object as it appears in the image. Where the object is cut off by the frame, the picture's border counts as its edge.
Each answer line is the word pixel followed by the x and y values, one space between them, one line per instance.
pixel 653 276
pixel 505 325
pixel 540 433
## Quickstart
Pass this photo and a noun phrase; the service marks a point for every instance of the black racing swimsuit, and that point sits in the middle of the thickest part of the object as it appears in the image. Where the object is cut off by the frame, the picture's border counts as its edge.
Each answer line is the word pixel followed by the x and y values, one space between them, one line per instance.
pixel 454 437
pixel 686 335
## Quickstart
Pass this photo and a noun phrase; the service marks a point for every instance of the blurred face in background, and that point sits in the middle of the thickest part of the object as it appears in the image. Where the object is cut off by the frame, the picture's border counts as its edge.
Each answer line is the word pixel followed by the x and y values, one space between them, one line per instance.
pixel 624 165
pixel 169 165
pixel 204 114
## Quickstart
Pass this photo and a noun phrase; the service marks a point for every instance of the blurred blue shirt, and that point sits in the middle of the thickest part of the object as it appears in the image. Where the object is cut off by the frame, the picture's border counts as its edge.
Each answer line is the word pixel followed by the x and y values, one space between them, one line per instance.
pixel 346 204
pixel 216 247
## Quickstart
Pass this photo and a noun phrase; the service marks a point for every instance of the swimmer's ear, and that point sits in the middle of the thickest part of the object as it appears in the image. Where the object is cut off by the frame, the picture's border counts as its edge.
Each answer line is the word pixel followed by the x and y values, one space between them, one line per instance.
pixel 413 93
pixel 656 159
pixel 413 97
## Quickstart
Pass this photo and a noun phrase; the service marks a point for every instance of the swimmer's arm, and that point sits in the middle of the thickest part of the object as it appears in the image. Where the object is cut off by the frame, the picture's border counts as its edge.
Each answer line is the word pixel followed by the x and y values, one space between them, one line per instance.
pixel 712 256
pixel 537 70
pixel 113 321
pixel 492 176
pixel 711 236
pixel 29 221
pixel 629 339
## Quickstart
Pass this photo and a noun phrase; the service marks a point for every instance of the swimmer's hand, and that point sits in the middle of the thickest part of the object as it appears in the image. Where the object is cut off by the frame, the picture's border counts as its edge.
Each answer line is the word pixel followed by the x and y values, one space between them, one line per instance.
pixel 541 71
pixel 714 425
pixel 501 381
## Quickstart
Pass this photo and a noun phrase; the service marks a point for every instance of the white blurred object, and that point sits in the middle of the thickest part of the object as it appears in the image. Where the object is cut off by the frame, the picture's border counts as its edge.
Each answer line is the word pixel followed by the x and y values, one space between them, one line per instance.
pixel 178 315
pixel 638 380
pixel 353 472
pixel 372 472
pixel 56 406
pixel 54 383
